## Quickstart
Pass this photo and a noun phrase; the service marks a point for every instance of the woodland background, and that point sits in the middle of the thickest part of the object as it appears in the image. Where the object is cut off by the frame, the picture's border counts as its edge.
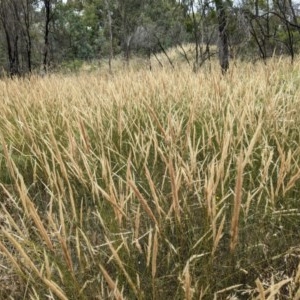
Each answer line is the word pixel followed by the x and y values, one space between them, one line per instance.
pixel 51 34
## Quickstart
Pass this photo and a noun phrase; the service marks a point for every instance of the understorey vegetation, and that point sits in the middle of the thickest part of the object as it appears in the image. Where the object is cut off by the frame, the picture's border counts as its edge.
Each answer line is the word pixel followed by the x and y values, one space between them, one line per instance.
pixel 162 184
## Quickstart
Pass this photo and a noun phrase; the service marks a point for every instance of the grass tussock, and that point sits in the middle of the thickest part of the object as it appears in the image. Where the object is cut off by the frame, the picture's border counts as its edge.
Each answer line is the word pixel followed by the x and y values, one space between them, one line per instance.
pixel 161 184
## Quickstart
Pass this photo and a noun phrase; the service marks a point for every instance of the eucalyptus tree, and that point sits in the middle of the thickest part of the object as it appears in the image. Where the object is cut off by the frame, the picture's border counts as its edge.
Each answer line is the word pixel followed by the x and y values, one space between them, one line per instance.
pixel 201 20
pixel 12 35
pixel 273 26
pixel 48 12
pixel 24 14
pixel 223 35
pixel 16 19
pixel 285 12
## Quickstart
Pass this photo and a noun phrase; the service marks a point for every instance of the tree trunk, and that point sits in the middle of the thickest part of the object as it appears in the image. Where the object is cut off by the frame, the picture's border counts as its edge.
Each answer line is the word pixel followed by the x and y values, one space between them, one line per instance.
pixel 223 36
pixel 22 15
pixel 110 35
pixel 196 36
pixel 12 38
pixel 26 10
pixel 47 4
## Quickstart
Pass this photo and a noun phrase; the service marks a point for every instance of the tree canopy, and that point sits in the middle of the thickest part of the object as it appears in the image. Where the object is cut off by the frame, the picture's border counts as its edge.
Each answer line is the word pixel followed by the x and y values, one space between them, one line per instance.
pixel 45 34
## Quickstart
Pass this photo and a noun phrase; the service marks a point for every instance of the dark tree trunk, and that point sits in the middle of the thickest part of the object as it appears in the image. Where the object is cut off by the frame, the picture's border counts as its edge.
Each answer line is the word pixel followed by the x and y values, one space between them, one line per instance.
pixel 23 9
pixel 126 29
pixel 47 4
pixel 196 36
pixel 223 36
pixel 109 21
pixel 28 35
pixel 12 38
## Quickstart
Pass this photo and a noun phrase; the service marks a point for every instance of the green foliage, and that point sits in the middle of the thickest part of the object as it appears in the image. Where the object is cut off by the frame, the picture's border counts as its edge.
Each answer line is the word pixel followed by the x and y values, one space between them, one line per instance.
pixel 82 35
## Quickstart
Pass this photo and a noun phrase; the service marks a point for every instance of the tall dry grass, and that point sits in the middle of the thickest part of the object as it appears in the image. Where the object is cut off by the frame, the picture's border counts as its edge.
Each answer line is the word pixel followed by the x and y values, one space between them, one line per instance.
pixel 151 185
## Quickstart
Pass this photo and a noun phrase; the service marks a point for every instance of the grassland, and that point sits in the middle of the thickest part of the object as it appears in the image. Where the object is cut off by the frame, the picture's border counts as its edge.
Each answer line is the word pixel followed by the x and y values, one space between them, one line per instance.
pixel 151 185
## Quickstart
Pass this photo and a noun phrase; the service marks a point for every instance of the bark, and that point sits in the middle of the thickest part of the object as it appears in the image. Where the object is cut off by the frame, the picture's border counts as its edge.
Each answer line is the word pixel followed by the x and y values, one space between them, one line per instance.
pixel 47 4
pixel 109 20
pixel 11 33
pixel 196 36
pixel 27 34
pixel 23 9
pixel 13 53
pixel 223 36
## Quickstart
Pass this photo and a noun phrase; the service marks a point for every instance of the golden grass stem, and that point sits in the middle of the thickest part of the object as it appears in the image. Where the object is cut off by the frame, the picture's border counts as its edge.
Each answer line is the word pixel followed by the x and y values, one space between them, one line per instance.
pixel 121 265
pixel 143 201
pixel 237 204
pixel 175 184
pixel 111 283
pixel 154 254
